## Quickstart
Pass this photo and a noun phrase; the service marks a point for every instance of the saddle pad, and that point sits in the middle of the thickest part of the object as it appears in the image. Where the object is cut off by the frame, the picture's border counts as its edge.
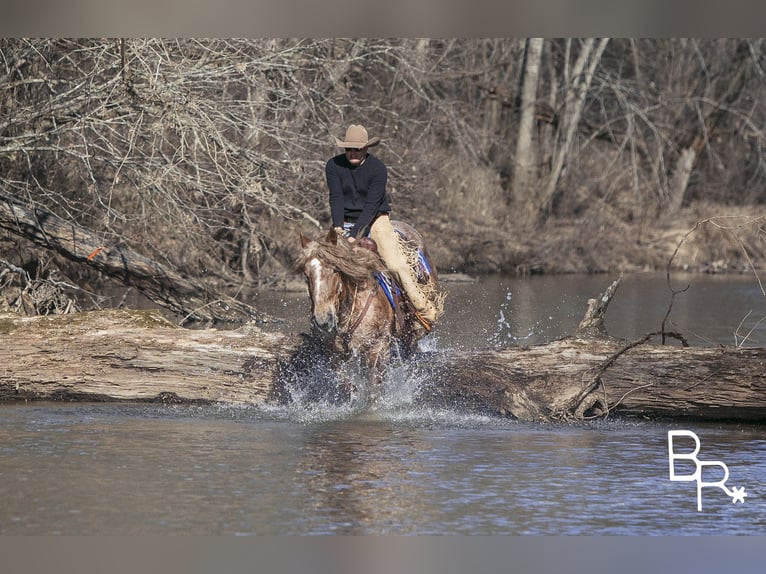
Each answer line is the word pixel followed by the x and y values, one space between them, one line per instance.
pixel 389 286
pixel 424 269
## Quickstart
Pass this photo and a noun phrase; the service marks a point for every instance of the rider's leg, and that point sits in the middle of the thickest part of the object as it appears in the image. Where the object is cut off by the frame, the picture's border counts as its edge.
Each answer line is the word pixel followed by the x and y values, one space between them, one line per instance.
pixel 390 250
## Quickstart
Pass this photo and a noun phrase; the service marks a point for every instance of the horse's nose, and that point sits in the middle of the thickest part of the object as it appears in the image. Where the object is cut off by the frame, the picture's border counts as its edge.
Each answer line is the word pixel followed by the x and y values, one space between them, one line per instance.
pixel 325 322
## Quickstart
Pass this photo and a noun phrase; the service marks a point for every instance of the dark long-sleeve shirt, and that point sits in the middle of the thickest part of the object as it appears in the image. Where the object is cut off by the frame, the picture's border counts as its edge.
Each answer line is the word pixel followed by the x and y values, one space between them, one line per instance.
pixel 357 194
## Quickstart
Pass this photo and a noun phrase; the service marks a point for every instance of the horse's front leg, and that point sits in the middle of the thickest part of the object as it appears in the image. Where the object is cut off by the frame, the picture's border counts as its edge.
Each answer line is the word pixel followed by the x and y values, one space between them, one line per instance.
pixel 376 360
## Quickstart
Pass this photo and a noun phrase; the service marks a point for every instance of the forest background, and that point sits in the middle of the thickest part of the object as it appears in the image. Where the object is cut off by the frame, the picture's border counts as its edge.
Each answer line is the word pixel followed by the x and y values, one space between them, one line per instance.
pixel 515 156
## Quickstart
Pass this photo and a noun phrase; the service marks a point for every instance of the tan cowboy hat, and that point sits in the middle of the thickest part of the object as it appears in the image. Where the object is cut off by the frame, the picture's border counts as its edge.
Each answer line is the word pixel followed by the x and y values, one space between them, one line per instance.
pixel 356 137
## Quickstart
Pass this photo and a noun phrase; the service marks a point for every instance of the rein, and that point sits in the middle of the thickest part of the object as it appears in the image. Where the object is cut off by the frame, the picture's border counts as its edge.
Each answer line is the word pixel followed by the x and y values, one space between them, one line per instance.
pixel 353 326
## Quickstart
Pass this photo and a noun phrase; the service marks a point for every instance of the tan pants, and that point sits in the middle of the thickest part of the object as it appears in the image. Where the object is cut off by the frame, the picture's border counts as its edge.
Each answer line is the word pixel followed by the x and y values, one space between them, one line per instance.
pixel 425 298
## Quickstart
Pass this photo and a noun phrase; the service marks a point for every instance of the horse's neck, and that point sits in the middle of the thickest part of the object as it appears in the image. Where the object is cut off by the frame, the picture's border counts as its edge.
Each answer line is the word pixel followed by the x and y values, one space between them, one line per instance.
pixel 351 291
pixel 354 295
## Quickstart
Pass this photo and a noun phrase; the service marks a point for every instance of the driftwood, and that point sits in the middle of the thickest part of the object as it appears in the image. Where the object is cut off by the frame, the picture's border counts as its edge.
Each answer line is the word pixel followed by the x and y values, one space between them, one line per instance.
pixel 138 356
pixel 157 282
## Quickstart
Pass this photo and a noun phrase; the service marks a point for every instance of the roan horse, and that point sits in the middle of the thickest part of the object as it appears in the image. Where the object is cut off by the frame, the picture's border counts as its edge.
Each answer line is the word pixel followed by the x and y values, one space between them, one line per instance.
pixel 350 307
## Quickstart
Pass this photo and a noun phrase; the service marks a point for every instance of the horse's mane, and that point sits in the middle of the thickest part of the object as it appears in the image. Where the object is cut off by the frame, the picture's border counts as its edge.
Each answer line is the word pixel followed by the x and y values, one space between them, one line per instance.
pixel 353 261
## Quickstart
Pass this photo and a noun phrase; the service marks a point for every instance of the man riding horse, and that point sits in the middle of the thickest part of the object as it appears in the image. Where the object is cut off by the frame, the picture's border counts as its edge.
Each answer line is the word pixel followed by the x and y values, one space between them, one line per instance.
pixel 359 205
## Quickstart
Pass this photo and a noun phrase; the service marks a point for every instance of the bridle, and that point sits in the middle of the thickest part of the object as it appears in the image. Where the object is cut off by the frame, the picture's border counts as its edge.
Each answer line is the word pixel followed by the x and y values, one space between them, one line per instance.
pixel 348 328
pixel 348 293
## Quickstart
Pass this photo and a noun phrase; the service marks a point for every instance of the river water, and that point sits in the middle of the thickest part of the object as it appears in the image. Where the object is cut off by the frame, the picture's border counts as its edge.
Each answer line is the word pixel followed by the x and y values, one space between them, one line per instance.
pixel 316 469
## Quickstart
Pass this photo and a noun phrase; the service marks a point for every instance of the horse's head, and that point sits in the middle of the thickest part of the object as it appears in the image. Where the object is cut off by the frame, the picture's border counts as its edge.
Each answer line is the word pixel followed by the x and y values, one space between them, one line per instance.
pixel 325 285
pixel 330 265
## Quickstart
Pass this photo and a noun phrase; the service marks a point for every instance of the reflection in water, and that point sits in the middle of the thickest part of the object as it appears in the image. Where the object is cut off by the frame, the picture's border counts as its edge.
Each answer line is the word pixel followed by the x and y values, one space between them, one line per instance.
pixel 357 477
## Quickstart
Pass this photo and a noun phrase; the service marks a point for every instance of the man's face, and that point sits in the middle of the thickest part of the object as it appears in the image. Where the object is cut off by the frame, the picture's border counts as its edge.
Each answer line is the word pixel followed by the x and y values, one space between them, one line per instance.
pixel 356 156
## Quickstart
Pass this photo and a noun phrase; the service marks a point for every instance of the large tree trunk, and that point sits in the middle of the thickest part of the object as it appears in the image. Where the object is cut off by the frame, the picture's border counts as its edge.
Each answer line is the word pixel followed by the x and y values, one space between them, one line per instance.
pixel 526 158
pixel 157 282
pixel 120 355
pixel 582 77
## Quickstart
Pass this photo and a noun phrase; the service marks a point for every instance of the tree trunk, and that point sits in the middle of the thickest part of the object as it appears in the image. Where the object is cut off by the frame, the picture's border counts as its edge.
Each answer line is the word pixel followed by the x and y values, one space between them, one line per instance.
pixel 681 175
pixel 526 160
pixel 137 356
pixel 158 283
pixel 581 80
pixel 721 103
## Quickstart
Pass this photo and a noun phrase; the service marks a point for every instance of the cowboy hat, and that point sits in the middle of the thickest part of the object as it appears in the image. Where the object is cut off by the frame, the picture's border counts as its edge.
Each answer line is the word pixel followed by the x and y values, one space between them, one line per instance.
pixel 356 137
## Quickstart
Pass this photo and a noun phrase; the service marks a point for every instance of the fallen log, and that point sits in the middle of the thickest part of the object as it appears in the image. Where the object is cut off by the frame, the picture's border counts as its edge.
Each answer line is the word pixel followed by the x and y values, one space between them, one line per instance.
pixel 138 356
pixel 567 380
pixel 114 355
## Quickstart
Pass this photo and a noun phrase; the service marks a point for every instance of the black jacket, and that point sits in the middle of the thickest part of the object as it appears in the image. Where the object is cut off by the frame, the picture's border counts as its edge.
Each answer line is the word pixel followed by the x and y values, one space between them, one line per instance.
pixel 357 194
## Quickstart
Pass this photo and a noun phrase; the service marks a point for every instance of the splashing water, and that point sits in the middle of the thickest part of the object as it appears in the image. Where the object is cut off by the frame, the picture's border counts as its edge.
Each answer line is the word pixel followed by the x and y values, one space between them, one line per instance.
pixel 503 333
pixel 319 392
pixel 316 391
pixel 330 394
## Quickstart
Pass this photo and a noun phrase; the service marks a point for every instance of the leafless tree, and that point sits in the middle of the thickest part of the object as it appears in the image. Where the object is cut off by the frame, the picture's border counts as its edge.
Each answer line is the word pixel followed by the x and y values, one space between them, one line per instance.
pixel 207 155
pixel 526 158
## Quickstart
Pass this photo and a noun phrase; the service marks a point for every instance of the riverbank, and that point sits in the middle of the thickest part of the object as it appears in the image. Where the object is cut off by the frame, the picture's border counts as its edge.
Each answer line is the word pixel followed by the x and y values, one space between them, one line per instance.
pixel 702 238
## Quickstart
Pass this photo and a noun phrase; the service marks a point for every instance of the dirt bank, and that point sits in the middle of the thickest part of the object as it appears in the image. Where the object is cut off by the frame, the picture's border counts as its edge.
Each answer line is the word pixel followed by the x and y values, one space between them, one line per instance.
pixel 706 239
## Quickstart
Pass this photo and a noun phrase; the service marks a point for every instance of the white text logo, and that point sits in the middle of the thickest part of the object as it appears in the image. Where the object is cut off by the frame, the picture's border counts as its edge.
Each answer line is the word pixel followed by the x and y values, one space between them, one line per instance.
pixel 737 494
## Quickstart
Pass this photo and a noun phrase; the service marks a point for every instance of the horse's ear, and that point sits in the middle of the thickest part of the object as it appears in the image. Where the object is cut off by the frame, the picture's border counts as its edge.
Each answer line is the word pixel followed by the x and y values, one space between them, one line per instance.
pixel 332 236
pixel 304 241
